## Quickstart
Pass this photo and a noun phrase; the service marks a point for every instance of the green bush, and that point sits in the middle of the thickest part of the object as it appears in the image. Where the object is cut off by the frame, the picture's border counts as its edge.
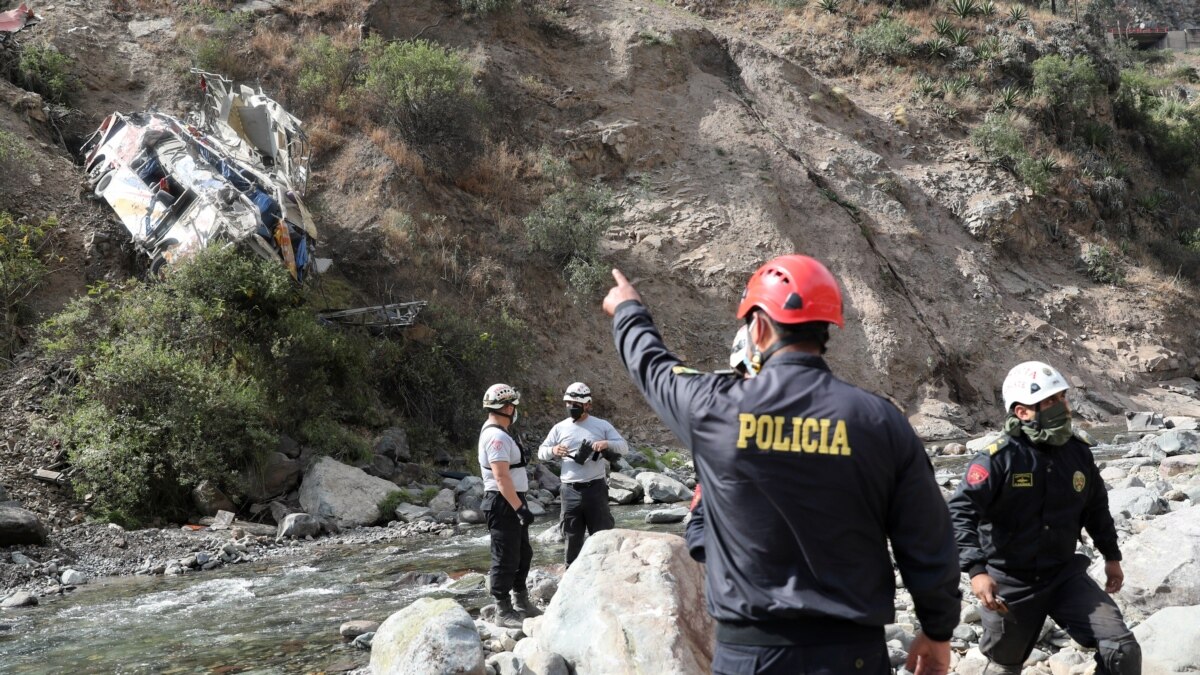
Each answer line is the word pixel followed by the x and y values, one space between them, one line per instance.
pixel 216 51
pixel 1191 239
pixel 1102 266
pixel 387 505
pixel 1171 127
pixel 485 6
pixel 585 280
pixel 326 70
pixel 886 39
pixel 47 71
pixel 569 224
pixel 427 93
pixel 192 378
pixel 1067 83
pixel 21 272
pixel 999 137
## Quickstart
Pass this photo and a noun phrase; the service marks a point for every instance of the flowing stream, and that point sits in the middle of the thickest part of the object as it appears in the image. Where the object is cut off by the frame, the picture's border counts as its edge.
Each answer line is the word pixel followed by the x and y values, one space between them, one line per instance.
pixel 272 616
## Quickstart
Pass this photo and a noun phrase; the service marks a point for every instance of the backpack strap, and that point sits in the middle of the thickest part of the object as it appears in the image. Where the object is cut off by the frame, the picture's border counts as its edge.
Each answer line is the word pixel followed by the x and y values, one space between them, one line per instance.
pixel 520 447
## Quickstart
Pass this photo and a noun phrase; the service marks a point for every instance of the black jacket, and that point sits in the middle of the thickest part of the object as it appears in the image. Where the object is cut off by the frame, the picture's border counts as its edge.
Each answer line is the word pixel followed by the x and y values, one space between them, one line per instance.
pixel 806 478
pixel 1020 507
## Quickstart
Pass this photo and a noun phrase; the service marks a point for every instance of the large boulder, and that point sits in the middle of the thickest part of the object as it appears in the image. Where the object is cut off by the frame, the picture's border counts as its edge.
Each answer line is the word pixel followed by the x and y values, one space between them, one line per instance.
pixel 639 599
pixel 19 526
pixel 334 490
pixel 626 485
pixel 1179 466
pixel 1178 442
pixel 209 499
pixel 1136 501
pixel 429 637
pixel 1170 641
pixel 546 478
pixel 469 493
pixel 393 443
pixel 298 526
pixel 663 488
pixel 1161 564
pixel 279 476
pixel 444 501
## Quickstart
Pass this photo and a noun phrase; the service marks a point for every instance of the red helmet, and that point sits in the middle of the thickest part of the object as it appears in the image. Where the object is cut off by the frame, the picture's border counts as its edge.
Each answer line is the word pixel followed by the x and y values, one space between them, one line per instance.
pixel 793 289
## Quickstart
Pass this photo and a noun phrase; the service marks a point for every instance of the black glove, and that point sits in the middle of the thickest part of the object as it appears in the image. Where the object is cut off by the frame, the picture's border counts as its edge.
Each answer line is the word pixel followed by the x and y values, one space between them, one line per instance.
pixel 611 455
pixel 584 453
pixel 525 516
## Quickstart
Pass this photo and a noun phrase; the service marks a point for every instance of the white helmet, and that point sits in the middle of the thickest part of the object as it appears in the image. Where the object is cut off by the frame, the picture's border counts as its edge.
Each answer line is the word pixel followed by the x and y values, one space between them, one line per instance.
pixel 1031 383
pixel 737 351
pixel 499 395
pixel 578 392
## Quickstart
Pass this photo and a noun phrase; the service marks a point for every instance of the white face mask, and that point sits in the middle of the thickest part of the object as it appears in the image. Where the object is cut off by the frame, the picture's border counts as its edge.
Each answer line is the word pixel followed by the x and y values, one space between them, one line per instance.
pixel 516 414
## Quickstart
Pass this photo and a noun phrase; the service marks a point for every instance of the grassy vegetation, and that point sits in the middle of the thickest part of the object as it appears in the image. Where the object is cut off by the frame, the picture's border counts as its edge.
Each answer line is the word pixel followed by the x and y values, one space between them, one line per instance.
pixel 22 270
pixel 49 72
pixel 566 229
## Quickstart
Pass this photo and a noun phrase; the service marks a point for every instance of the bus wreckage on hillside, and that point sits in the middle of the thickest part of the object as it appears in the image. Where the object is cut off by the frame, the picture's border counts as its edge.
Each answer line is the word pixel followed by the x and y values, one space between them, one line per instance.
pixel 235 173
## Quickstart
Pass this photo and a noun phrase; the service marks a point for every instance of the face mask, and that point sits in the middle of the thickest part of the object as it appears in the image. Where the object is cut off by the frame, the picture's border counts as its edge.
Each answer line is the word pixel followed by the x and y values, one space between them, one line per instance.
pixel 1052 425
pixel 516 414
pixel 576 411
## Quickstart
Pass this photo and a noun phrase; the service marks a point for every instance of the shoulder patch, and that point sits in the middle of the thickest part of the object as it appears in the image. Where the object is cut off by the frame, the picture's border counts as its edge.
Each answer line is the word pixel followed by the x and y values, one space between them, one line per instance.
pixel 998 443
pixel 684 370
pixel 1084 436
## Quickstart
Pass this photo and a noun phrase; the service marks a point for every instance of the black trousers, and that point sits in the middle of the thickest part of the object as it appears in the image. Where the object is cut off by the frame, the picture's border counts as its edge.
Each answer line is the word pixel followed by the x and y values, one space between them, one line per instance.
pixel 584 508
pixel 867 658
pixel 511 552
pixel 1070 597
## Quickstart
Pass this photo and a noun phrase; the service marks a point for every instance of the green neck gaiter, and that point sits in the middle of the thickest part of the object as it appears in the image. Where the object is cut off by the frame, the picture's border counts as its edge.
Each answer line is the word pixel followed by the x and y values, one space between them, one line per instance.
pixel 1052 426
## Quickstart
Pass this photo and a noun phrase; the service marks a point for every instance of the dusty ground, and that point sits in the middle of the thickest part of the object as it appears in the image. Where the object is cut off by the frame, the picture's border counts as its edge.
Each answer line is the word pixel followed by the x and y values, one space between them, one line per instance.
pixel 731 137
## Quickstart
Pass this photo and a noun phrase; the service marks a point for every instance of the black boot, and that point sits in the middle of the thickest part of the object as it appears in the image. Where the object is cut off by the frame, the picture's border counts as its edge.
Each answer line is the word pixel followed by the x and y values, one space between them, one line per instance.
pixel 524 605
pixel 506 616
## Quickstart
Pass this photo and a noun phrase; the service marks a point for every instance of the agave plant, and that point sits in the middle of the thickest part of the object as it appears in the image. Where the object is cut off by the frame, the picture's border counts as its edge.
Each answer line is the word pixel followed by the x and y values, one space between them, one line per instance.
pixel 942 25
pixel 957 86
pixel 946 111
pixel 829 6
pixel 963 9
pixel 937 48
pixel 959 37
pixel 988 49
pixel 1017 13
pixel 1048 164
pixel 1008 98
pixel 987 8
pixel 884 14
pixel 926 88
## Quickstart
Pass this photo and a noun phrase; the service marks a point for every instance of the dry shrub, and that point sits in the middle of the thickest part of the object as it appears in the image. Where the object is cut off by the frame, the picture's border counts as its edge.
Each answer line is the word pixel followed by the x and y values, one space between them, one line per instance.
pixel 333 9
pixel 324 135
pixel 398 151
pixel 276 51
pixel 496 175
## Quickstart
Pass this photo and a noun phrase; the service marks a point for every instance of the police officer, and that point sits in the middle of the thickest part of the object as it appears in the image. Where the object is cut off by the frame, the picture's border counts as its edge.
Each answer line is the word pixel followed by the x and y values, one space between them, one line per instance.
pixel 502 462
pixel 1017 515
pixel 582 441
pixel 806 479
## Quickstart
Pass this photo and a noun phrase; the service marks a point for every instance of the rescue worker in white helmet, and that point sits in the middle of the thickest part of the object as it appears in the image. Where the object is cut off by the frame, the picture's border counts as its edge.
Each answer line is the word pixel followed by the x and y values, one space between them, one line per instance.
pixel 505 482
pixel 583 442
pixel 741 364
pixel 1017 516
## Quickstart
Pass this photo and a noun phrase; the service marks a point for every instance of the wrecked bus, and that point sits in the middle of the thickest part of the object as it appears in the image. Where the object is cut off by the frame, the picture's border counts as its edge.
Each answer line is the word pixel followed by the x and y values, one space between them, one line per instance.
pixel 235 173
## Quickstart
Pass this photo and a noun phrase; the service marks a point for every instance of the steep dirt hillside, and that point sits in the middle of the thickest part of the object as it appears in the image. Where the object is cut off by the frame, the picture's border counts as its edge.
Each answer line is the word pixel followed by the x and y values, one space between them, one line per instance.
pixel 730 132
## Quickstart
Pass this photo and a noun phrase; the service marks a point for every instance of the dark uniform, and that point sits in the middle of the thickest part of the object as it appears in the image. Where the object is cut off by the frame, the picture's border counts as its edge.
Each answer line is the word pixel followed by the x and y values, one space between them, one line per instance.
pixel 1017 516
pixel 805 480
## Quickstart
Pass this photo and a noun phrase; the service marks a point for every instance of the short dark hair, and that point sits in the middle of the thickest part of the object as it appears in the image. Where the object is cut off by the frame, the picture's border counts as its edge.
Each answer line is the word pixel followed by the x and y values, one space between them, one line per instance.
pixel 812 335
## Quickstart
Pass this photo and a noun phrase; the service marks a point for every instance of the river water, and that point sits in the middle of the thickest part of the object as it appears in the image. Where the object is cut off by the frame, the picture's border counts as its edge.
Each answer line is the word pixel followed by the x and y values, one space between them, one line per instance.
pixel 266 617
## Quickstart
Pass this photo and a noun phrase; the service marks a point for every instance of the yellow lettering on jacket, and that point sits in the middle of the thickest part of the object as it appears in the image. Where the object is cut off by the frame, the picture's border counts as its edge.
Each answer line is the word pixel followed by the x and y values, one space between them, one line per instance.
pixel 745 430
pixel 811 435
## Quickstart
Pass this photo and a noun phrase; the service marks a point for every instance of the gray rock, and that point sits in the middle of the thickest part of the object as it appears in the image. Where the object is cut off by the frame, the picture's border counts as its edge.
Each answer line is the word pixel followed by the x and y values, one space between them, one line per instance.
pixel 649 618
pixel 663 516
pixel 444 501
pixel 73 578
pixel 381 466
pixel 537 661
pixel 551 535
pixel 970 614
pixel 19 558
pixel 409 579
pixel 1136 501
pixel 620 496
pixel 141 29
pixel 20 526
pixel 954 449
pixel 289 446
pixel 1170 640
pixel 1113 473
pixel 1185 423
pixel 1178 442
pixel 209 499
pixel 279 476
pixel 469 492
pixel 429 637
pixel 352 629
pixel 1161 565
pixel 472 517
pixel 1143 421
pixel 1183 465
pixel 505 663
pixel 661 488
pixel 279 511
pixel 411 512
pixel 965 632
pixel 897 657
pixel 536 508
pixel 298 526
pixel 334 490
pixel 393 443
pixel 20 599
pixel 546 478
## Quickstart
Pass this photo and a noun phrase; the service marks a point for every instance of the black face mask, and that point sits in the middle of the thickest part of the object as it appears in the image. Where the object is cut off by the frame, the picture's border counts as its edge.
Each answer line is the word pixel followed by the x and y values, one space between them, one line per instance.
pixel 576 411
